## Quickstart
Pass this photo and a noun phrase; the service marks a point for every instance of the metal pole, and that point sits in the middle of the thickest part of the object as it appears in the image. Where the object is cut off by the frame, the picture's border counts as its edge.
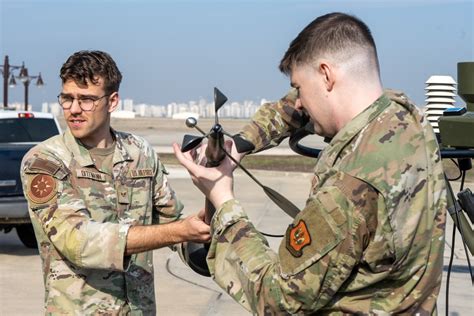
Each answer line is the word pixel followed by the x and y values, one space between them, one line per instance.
pixel 6 75
pixel 26 83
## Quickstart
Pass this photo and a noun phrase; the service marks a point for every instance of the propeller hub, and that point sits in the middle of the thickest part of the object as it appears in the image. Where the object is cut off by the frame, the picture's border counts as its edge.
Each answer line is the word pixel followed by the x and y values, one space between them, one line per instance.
pixel 217 128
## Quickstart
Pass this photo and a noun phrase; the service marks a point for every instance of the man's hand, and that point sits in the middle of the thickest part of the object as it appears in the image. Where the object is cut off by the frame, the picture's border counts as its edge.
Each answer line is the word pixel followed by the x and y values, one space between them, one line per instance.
pixel 148 237
pixel 216 183
pixel 195 229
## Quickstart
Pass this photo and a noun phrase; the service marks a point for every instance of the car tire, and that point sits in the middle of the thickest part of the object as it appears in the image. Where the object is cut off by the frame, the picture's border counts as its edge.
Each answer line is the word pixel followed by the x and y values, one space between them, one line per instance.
pixel 27 236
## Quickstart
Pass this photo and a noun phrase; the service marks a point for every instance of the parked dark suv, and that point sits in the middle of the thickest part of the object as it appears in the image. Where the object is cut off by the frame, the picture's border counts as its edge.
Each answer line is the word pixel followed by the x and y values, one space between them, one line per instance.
pixel 19 131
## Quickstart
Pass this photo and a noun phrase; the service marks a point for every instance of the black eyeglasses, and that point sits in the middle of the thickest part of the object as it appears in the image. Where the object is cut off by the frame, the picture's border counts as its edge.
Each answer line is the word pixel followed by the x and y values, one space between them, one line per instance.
pixel 86 103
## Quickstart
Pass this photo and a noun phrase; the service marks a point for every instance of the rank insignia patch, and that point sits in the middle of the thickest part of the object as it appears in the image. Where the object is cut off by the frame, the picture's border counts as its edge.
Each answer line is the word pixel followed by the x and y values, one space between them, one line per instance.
pixel 41 189
pixel 297 237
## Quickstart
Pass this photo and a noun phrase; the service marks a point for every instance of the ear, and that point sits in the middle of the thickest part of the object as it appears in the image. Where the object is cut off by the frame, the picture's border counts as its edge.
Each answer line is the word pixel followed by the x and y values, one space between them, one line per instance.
pixel 113 101
pixel 328 73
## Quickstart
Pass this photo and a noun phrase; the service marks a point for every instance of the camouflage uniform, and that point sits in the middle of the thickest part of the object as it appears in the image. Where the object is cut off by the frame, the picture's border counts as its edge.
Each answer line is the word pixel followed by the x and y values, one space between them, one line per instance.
pixel 81 216
pixel 371 236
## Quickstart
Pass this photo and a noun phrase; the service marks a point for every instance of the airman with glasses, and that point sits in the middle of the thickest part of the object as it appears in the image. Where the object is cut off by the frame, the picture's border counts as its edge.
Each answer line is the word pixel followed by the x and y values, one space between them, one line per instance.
pixel 100 201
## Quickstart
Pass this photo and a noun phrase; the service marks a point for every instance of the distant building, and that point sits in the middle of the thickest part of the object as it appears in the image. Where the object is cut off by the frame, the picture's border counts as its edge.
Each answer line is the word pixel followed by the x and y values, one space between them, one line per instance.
pixel 158 111
pixel 184 115
pixel 128 105
pixel 123 114
pixel 142 110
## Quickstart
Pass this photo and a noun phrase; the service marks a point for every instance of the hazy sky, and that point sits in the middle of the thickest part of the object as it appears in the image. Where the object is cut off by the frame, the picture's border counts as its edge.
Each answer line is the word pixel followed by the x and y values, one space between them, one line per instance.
pixel 179 50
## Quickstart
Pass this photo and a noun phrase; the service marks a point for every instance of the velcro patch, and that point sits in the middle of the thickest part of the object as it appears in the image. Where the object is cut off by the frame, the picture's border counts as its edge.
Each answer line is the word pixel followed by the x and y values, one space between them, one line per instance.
pixel 297 238
pixel 312 236
pixel 97 176
pixel 44 165
pixel 41 189
pixel 140 173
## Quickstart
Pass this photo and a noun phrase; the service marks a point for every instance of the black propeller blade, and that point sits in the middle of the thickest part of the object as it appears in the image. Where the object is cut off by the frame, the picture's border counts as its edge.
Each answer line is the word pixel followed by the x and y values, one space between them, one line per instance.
pixel 219 100
pixel 190 142
pixel 242 144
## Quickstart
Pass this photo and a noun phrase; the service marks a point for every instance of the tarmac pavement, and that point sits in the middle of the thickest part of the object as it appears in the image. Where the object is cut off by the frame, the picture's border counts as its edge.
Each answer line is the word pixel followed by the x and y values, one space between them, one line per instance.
pixel 179 290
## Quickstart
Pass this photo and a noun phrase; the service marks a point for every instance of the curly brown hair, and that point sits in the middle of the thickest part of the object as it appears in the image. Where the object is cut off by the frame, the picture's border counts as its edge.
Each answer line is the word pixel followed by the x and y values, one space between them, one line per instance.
pixel 87 66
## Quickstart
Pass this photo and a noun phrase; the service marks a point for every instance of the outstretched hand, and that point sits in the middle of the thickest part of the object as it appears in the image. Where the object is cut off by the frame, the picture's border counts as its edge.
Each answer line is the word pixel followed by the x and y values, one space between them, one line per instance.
pixel 216 183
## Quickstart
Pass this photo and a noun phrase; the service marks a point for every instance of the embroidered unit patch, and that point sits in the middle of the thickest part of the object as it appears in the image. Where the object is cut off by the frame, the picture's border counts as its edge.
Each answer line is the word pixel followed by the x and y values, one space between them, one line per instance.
pixel 297 238
pixel 42 188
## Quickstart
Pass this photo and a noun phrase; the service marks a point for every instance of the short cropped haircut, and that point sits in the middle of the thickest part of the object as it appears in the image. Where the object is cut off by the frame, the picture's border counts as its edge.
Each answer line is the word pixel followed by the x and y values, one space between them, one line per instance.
pixel 330 34
pixel 86 66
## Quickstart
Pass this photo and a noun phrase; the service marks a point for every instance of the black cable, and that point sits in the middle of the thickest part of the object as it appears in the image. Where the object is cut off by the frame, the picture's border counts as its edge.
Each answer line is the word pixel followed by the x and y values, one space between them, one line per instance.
pixel 453 242
pixel 458 220
pixel 188 281
pixel 465 249
pixel 270 235
pixel 460 231
pixel 265 189
pixel 449 269
pixel 460 172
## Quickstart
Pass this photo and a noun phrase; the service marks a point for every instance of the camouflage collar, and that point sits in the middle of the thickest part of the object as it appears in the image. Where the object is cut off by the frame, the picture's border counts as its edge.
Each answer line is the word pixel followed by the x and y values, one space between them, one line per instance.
pixel 82 156
pixel 79 152
pixel 121 153
pixel 351 129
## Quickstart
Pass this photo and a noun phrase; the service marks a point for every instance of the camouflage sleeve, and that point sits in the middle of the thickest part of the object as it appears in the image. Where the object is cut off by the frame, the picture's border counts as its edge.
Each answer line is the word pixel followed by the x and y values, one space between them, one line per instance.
pixel 316 257
pixel 56 207
pixel 167 207
pixel 273 122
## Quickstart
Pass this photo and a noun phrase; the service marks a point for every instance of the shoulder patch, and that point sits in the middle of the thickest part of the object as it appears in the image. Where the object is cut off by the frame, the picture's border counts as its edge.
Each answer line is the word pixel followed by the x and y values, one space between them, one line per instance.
pixel 297 238
pixel 313 234
pixel 41 188
pixel 44 165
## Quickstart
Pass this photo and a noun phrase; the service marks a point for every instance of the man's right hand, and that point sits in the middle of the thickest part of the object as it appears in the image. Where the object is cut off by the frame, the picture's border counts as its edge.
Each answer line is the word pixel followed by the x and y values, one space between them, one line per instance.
pixel 149 237
pixel 195 229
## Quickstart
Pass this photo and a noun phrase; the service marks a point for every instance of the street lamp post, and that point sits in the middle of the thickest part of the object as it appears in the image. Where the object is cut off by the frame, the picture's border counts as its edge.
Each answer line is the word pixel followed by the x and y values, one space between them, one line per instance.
pixel 6 74
pixel 23 77
pixel 26 79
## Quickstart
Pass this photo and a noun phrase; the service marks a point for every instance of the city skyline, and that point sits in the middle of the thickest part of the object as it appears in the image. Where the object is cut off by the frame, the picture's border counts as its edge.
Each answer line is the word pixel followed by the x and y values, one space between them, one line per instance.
pixel 202 108
pixel 177 51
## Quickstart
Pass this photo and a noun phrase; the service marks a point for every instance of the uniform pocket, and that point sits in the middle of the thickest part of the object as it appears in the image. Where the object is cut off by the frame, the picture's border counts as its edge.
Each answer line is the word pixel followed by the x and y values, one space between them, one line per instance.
pixel 140 199
pixel 314 232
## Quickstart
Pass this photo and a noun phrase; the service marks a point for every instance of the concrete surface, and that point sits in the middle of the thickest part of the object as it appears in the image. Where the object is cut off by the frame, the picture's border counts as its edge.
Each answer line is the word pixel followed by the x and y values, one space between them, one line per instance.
pixel 179 290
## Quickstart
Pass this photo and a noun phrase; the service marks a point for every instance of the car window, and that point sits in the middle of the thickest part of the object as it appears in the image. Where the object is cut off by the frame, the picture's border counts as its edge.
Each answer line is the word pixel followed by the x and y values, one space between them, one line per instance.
pixel 26 129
